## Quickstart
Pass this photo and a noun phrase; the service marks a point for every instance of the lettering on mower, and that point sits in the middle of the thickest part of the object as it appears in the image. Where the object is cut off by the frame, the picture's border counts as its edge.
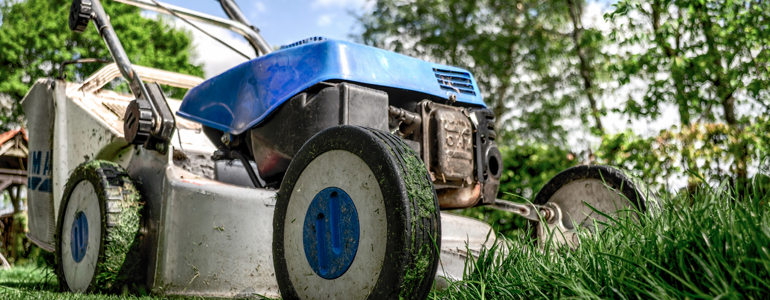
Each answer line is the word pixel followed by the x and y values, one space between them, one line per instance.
pixel 39 177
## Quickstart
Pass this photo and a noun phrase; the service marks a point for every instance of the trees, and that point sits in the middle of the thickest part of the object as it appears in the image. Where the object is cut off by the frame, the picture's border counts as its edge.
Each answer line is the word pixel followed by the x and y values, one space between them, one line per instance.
pixel 709 59
pixel 533 59
pixel 714 52
pixel 35 40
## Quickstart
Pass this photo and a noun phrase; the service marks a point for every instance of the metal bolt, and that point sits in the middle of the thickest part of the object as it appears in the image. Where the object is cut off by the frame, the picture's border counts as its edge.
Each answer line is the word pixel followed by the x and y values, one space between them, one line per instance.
pixel 226 139
pixel 546 214
pixel 452 98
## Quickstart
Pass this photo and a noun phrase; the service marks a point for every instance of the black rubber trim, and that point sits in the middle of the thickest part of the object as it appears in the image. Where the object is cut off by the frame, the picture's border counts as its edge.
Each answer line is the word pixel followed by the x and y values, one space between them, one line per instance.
pixel 385 155
pixel 120 262
pixel 611 176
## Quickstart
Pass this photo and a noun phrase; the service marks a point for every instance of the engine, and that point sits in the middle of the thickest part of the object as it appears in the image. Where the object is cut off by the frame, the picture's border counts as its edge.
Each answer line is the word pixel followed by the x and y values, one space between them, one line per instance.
pixel 456 143
pixel 269 107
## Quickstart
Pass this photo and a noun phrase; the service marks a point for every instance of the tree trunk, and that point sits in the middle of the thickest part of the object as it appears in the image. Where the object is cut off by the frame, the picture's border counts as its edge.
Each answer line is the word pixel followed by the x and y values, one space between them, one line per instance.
pixel 575 12
pixel 725 93
pixel 677 74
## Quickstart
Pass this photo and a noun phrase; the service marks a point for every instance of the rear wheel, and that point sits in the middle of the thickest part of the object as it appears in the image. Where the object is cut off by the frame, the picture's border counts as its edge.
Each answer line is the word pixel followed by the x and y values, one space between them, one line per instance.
pixel 98 229
pixel 608 190
pixel 356 218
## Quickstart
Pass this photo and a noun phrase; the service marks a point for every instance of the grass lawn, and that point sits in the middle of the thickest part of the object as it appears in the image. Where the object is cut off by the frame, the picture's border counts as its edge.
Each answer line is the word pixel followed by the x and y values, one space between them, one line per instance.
pixel 704 246
pixel 710 245
pixel 34 282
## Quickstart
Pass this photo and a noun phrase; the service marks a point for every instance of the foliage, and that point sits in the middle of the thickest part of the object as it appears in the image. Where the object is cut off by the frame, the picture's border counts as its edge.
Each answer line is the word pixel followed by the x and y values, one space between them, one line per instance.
pixel 35 39
pixel 695 54
pixel 539 66
pixel 704 57
pixel 713 247
pixel 18 249
pixel 531 58
pixel 713 151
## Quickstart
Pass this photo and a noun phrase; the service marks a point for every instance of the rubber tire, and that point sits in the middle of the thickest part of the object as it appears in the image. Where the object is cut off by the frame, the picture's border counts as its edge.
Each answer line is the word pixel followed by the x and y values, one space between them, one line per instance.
pixel 119 260
pixel 633 190
pixel 409 245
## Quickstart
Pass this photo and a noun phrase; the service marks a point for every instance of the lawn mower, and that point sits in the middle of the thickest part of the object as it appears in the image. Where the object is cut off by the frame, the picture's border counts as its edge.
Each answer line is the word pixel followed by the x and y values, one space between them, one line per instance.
pixel 316 171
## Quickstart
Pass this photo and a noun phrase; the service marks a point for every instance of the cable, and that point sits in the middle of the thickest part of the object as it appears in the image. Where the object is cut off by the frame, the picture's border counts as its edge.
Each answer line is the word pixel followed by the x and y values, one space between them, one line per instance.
pixel 255 179
pixel 199 29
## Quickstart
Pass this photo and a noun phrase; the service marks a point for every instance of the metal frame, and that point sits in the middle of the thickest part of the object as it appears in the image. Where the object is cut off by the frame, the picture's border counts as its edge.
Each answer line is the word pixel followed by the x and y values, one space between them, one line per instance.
pixel 249 32
pixel 103 25
pixel 111 71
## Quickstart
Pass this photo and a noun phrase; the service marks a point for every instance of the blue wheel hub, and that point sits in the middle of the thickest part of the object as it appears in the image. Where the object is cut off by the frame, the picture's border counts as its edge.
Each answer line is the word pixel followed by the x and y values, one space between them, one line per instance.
pixel 79 236
pixel 330 233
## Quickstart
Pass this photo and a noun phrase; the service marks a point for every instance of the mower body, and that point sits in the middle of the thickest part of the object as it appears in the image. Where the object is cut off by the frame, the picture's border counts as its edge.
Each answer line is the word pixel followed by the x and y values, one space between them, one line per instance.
pixel 206 231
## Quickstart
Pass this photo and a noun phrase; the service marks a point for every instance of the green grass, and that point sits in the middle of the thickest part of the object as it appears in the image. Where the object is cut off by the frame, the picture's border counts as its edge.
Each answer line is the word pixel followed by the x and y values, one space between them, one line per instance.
pixel 709 245
pixel 706 246
pixel 39 282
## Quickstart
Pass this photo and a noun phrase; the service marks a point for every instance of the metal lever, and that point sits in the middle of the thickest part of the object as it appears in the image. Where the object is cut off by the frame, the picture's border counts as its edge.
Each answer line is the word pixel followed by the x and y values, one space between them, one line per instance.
pixel 528 211
pixel 83 11
pixel 249 32
pixel 162 120
pixel 234 12
pixel 553 229
pixel 93 10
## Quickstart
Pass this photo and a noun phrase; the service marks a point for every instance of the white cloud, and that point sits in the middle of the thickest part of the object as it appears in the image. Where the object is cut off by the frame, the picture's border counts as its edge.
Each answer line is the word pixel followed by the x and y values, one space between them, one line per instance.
pixel 258 9
pixel 325 20
pixel 217 58
pixel 259 6
pixel 338 3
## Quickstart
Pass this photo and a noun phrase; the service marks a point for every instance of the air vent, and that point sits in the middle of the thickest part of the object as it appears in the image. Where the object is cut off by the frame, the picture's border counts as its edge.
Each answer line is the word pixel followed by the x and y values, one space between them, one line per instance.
pixel 304 42
pixel 459 82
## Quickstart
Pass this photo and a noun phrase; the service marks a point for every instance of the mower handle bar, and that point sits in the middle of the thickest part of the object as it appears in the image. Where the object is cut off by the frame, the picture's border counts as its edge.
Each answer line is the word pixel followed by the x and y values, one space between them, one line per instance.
pixel 102 23
pixel 239 25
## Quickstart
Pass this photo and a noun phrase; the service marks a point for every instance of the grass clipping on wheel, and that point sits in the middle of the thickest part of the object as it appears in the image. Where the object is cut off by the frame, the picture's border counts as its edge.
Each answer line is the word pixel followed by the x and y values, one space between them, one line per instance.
pixel 703 246
pixel 422 195
pixel 121 261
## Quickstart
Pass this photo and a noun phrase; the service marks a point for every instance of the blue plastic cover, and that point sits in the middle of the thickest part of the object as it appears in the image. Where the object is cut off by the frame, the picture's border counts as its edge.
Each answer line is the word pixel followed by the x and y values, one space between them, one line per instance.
pixel 243 96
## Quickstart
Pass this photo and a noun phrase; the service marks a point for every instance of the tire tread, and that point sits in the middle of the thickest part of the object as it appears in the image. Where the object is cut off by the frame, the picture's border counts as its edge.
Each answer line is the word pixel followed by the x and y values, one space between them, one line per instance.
pixel 119 261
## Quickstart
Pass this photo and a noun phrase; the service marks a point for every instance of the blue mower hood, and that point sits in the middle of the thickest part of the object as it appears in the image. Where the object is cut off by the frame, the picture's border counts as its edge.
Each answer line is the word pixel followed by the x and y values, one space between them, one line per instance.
pixel 243 96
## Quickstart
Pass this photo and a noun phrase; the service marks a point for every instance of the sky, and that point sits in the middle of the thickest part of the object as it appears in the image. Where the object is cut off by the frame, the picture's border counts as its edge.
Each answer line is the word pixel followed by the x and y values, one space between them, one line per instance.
pixel 280 23
pixel 284 22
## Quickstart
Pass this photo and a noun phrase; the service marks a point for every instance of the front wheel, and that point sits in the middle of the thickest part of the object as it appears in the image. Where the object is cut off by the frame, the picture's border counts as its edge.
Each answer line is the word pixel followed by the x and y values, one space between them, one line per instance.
pixel 357 217
pixel 97 247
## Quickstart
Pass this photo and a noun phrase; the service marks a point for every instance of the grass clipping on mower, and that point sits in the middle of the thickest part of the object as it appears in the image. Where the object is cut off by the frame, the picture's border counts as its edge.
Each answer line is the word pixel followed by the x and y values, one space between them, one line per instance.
pixel 418 186
pixel 121 261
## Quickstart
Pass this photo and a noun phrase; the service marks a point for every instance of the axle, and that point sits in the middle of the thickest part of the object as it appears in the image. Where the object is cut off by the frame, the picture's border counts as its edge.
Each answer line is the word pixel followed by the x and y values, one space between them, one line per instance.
pixel 529 211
